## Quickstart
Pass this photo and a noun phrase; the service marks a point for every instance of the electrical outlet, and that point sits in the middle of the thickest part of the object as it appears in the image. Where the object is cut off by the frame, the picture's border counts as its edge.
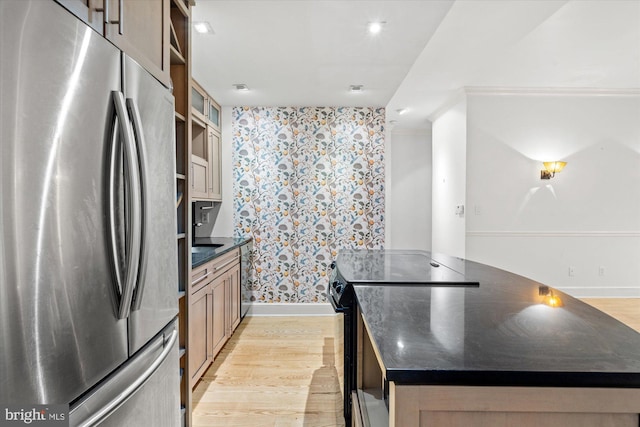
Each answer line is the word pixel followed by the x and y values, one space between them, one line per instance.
pixel 477 210
pixel 205 217
pixel 601 271
pixel 572 271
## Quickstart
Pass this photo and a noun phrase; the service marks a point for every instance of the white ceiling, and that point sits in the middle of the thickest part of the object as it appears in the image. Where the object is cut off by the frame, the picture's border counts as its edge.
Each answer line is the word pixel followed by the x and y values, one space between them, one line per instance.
pixel 308 52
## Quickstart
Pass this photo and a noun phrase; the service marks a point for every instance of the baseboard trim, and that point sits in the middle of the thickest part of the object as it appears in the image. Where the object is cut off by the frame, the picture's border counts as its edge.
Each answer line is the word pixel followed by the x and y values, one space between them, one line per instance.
pixel 553 233
pixel 602 292
pixel 290 309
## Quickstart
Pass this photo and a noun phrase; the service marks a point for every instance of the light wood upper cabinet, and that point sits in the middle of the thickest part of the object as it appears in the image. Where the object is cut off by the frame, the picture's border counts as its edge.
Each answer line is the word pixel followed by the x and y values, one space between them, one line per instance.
pixel 215 182
pixel 200 161
pixel 88 11
pixel 214 114
pixel 141 29
pixel 206 151
pixel 199 99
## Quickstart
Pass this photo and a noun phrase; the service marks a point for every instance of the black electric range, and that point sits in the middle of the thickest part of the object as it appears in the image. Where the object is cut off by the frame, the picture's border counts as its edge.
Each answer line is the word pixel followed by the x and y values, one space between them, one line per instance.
pixel 382 267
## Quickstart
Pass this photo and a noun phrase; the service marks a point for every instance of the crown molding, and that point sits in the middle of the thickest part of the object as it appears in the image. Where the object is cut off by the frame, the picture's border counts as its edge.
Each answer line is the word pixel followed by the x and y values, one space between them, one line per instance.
pixel 550 91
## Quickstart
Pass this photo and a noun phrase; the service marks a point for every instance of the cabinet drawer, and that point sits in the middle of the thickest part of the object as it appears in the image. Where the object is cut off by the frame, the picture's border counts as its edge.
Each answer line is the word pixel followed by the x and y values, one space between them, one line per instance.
pixel 225 262
pixel 201 276
pixel 205 273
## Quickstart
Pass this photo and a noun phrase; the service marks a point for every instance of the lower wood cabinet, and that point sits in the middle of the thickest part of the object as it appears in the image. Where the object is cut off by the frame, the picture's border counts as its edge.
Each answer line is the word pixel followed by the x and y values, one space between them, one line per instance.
pixel 219 291
pixel 200 326
pixel 215 310
pixel 234 289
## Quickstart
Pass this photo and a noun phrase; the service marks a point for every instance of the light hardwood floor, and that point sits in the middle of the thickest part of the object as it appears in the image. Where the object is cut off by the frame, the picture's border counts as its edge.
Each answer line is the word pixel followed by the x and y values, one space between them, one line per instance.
pixel 287 371
pixel 275 371
pixel 626 310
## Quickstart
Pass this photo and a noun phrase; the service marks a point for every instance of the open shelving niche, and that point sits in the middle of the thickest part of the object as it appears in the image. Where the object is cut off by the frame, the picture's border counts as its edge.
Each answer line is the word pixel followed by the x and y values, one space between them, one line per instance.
pixel 179 47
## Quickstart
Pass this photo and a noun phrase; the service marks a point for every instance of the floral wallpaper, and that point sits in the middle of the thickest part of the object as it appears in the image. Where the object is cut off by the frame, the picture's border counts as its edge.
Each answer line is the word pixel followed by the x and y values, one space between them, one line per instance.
pixel 308 181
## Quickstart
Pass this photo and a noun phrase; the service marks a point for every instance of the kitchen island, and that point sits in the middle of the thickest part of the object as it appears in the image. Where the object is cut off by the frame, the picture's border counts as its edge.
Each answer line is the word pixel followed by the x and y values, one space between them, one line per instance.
pixel 491 355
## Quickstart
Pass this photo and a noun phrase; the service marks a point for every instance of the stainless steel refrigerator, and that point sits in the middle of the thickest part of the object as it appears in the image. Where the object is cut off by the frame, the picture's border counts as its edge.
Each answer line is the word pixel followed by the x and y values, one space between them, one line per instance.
pixel 88 261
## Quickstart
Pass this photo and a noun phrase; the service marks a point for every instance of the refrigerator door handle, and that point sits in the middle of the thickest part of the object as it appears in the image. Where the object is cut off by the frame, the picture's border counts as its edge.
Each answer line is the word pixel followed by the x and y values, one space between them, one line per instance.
pixel 119 126
pixel 116 396
pixel 134 113
pixel 133 208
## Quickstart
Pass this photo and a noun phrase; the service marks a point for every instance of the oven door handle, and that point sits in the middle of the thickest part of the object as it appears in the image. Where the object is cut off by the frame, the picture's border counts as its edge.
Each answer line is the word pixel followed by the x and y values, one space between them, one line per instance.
pixel 334 304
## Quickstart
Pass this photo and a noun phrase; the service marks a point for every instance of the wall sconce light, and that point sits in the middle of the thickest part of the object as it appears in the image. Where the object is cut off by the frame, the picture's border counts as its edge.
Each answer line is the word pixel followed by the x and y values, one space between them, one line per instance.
pixel 549 298
pixel 550 169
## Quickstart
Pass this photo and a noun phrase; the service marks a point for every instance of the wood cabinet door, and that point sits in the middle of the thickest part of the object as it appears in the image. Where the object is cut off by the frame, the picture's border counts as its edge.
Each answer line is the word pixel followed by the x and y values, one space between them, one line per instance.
pixel 199 178
pixel 199 101
pixel 214 114
pixel 215 164
pixel 200 350
pixel 200 161
pixel 88 11
pixel 219 314
pixel 234 313
pixel 141 29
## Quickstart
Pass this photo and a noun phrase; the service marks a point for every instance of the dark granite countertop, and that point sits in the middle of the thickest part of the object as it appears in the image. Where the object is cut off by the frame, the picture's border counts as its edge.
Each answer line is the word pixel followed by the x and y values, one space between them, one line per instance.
pixel 206 249
pixel 499 334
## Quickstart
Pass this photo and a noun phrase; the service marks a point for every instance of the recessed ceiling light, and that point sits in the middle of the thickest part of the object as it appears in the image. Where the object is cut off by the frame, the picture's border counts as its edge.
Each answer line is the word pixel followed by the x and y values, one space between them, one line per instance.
pixel 203 27
pixel 241 87
pixel 375 27
pixel 401 111
pixel 356 88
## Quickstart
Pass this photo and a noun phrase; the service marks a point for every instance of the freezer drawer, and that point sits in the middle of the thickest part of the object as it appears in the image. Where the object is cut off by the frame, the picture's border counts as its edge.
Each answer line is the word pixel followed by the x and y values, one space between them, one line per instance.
pixel 143 392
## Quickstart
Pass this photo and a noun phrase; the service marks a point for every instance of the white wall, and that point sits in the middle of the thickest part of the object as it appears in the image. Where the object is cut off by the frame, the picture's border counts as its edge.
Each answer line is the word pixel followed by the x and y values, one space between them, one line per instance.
pixel 408 190
pixel 587 217
pixel 449 180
